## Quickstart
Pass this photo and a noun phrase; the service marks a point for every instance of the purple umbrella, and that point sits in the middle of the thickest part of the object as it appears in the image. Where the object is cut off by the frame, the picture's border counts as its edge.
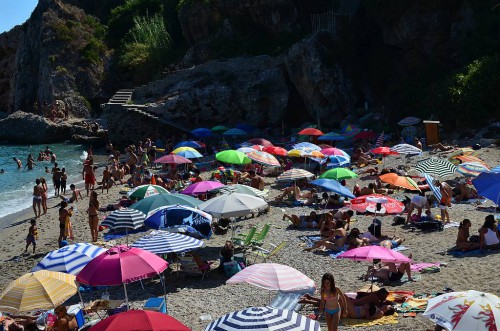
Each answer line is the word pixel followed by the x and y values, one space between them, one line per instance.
pixel 201 187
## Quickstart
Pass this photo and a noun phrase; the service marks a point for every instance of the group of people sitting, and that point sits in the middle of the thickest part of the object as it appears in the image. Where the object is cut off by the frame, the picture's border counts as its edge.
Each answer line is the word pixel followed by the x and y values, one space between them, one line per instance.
pixel 488 235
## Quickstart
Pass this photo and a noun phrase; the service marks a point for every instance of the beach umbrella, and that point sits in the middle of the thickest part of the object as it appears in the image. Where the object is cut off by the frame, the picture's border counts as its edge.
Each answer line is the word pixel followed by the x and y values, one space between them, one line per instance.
pixel 258 147
pixel 436 166
pixel 180 216
pixel 189 154
pixel 162 242
pixel 188 143
pixel 246 149
pixel 331 136
pixel 306 146
pixel 183 148
pixel 406 149
pixel 399 181
pixel 384 151
pixel 37 290
pixel 245 189
pixel 338 174
pixel 202 132
pixel 134 320
pixel 261 141
pixel 144 191
pixel 275 150
pixel 201 187
pixel 310 132
pixel 472 169
pixel 305 152
pixel 350 130
pixel 324 146
pixel 69 259
pixel 235 132
pixel 121 265
pixel 232 157
pixel 370 135
pixel 336 161
pixel 233 205
pixel 219 128
pixel 333 186
pixel 368 203
pixel 374 252
pixel 172 159
pixel 409 121
pixel 495 169
pixel 274 277
pixel 263 319
pixel 294 174
pixel 160 200
pixel 488 185
pixel 334 151
pixel 264 158
pixel 430 181
pixel 465 311
pixel 124 219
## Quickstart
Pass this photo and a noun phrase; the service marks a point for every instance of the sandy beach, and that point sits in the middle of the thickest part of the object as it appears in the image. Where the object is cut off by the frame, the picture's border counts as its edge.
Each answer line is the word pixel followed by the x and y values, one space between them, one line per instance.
pixel 189 297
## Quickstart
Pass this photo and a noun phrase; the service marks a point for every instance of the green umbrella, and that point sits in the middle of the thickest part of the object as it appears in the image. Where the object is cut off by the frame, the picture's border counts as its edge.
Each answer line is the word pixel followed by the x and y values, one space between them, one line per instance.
pixel 338 174
pixel 160 200
pixel 219 128
pixel 144 191
pixel 233 157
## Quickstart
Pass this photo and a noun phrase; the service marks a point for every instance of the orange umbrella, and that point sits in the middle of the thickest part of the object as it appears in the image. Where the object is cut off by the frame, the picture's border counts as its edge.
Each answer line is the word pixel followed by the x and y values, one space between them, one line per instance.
pixel 400 181
pixel 311 132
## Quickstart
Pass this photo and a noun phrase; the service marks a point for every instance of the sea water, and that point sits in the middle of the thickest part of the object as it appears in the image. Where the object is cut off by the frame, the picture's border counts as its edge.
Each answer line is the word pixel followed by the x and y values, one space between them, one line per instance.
pixel 16 185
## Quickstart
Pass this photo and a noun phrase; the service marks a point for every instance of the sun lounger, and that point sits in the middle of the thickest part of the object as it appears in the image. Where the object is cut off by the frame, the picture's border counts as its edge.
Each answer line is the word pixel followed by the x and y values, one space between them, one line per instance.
pixel 289 300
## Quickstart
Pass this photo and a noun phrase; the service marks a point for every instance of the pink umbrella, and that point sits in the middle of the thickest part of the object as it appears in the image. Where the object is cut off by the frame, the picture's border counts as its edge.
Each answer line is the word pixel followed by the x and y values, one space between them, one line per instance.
pixel 334 151
pixel 173 159
pixel 371 253
pixel 273 276
pixel 261 141
pixel 202 187
pixel 368 203
pixel 121 265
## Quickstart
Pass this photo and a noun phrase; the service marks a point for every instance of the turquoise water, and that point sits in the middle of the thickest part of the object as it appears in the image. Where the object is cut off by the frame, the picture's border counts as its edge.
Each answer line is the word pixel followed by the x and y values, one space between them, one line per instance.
pixel 16 185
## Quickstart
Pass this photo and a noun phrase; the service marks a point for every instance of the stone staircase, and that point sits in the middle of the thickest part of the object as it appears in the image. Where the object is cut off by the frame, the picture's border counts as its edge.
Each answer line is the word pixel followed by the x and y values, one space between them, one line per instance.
pixel 121 97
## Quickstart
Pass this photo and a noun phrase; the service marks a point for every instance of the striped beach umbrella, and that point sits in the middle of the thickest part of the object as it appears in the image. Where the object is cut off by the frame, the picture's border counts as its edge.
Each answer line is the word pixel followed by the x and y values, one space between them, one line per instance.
pixel 263 319
pixel 162 242
pixel 430 181
pixel 274 277
pixel 406 149
pixel 470 159
pixel 144 191
pixel 69 259
pixel 263 158
pixel 495 169
pixel 436 166
pixel 37 290
pixel 306 146
pixel 409 121
pixel 246 149
pixel 334 151
pixel 245 189
pixel 183 148
pixel 338 174
pixel 336 161
pixel 124 219
pixel 294 174
pixel 472 169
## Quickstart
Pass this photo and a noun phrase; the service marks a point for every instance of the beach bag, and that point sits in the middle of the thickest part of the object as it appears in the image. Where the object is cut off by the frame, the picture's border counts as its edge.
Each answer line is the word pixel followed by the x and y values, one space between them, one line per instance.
pixel 231 268
pixel 430 226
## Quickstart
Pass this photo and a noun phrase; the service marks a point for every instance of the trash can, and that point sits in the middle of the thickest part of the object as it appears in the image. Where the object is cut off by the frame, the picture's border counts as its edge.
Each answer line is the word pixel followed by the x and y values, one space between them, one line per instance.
pixel 156 304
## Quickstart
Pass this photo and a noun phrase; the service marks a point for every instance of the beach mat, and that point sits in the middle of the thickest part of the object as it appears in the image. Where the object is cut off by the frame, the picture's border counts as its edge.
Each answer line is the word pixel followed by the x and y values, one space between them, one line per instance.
pixel 475 252
pixel 355 323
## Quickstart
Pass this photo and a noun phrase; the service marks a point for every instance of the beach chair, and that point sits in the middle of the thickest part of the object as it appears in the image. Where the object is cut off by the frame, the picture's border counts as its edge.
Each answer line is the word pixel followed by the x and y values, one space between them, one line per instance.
pixel 191 268
pixel 265 254
pixel 246 239
pixel 289 300
pixel 260 236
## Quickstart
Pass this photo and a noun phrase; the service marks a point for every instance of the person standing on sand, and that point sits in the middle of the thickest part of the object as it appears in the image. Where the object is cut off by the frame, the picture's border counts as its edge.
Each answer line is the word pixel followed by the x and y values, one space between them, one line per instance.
pixel 446 194
pixel 32 236
pixel 18 162
pixel 45 190
pixel 30 162
pixel 88 175
pixel 64 214
pixel 56 178
pixel 94 216
pixel 64 179
pixel 37 198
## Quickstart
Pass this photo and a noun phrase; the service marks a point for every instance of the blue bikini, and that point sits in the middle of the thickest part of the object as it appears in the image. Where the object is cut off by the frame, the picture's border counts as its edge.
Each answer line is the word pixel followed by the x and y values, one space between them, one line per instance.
pixel 332 311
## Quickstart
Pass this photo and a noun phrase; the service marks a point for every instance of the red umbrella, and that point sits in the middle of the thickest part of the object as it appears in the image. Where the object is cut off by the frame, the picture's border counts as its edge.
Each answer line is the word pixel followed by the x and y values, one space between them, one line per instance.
pixel 384 151
pixel 173 159
pixel 261 141
pixel 366 135
pixel 274 150
pixel 140 320
pixel 368 203
pixel 311 132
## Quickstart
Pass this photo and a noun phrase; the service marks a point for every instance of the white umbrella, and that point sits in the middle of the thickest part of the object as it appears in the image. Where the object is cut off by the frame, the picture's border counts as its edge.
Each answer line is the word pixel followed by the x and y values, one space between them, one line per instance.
pixel 233 205
pixel 406 149
pixel 245 189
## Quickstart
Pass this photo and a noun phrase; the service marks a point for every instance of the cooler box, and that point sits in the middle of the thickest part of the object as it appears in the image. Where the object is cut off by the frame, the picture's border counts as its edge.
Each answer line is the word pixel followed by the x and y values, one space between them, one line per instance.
pixel 78 312
pixel 156 304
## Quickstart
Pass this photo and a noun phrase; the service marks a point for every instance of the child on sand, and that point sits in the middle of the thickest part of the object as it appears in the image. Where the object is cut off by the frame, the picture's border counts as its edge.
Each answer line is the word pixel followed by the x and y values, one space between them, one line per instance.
pixel 32 236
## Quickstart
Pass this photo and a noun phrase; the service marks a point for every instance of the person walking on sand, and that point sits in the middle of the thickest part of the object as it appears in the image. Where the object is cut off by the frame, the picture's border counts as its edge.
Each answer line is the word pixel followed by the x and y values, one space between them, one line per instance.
pixel 18 162
pixel 37 198
pixel 45 190
pixel 93 216
pixel 32 236
pixel 30 162
pixel 88 175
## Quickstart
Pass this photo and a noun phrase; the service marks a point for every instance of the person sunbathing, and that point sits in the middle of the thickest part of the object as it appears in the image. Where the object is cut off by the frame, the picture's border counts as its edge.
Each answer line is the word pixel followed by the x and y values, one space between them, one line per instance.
pixel 291 193
pixel 440 148
pixel 355 240
pixel 464 192
pixel 327 225
pixel 377 298
pixel 392 243
pixel 312 197
pixel 368 190
pixel 311 221
pixel 369 312
pixel 389 272
pixel 463 237
pixel 334 242
pixel 370 171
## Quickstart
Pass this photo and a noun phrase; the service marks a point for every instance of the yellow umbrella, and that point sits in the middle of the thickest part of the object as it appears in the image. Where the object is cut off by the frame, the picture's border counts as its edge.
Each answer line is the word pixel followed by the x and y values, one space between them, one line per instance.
pixel 37 290
pixel 295 153
pixel 181 149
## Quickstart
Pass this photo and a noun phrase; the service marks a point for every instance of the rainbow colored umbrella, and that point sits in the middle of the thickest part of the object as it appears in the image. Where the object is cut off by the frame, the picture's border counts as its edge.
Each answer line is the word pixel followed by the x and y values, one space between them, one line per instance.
pixel 264 158
pixel 294 174
pixel 472 169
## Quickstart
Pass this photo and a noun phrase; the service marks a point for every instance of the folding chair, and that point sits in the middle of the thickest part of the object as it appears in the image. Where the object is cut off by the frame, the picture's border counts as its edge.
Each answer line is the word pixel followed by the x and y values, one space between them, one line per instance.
pixel 190 267
pixel 260 236
pixel 265 254
pixel 247 238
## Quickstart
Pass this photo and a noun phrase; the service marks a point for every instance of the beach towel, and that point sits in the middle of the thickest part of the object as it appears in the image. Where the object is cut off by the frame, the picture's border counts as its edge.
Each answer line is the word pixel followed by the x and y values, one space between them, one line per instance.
pixel 467 253
pixel 421 266
pixel 355 323
pixel 451 225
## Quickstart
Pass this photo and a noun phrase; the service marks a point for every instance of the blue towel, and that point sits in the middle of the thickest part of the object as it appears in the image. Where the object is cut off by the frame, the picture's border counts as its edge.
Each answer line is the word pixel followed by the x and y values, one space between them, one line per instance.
pixel 467 253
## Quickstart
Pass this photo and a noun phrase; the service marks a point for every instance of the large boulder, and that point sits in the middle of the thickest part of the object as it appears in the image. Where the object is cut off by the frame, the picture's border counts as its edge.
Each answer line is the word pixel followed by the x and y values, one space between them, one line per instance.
pixel 319 79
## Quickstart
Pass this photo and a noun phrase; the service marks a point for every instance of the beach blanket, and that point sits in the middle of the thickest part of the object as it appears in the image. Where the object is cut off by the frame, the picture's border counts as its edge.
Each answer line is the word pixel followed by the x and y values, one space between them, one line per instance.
pixel 117 235
pixel 355 323
pixel 419 267
pixel 467 253
pixel 451 225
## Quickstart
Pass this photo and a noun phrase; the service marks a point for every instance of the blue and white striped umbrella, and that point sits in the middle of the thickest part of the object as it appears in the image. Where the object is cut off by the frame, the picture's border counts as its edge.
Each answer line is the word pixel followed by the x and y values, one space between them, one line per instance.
pixel 406 149
pixel 409 121
pixel 263 319
pixel 124 219
pixel 306 145
pixel 336 161
pixel 162 242
pixel 430 181
pixel 496 169
pixel 69 259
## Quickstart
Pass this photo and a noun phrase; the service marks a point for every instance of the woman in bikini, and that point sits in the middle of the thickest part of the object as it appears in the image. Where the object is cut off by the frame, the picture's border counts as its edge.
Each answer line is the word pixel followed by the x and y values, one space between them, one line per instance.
pixel 463 237
pixel 329 303
pixel 93 216
pixel 335 242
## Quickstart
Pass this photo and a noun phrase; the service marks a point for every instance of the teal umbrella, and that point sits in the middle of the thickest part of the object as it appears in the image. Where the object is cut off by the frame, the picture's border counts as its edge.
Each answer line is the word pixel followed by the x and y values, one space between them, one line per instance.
pixel 144 191
pixel 160 200
pixel 233 157
pixel 338 174
pixel 219 128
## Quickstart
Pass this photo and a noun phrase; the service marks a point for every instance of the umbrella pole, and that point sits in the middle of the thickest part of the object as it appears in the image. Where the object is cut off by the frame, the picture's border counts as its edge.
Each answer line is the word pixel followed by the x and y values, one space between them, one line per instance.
pixel 126 235
pixel 80 294
pixel 162 278
pixel 126 296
